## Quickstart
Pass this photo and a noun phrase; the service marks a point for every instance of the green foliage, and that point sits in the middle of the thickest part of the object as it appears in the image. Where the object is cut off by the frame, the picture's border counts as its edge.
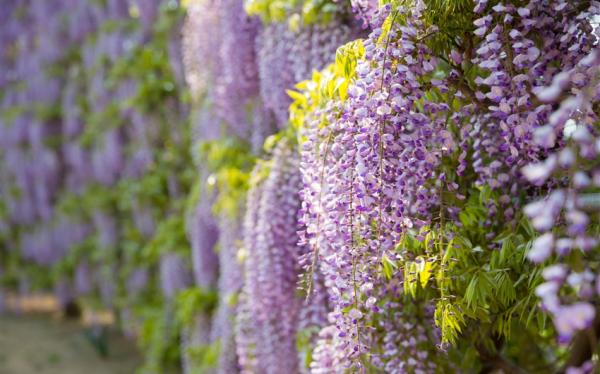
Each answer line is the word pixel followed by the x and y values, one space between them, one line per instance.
pixel 204 358
pixel 192 301
pixel 305 339
pixel 480 292
pixel 330 84
pixel 230 162
pixel 158 339
pixel 448 22
pixel 170 237
pixel 295 12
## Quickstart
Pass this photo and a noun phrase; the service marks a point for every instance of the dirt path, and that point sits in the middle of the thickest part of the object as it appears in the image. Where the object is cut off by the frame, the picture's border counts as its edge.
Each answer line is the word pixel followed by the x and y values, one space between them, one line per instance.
pixel 42 345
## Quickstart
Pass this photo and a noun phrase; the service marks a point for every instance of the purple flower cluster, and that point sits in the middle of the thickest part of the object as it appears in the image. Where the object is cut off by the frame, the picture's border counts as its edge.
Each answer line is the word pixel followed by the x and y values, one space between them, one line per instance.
pixel 174 275
pixel 237 86
pixel 203 235
pixel 148 12
pixel 47 244
pixel 409 344
pixel 220 61
pixel 200 39
pixel 82 278
pixel 369 176
pixel 246 328
pixel 271 269
pixel 229 286
pixel 137 281
pixel 312 317
pixel 106 227
pixel 509 121
pixel 365 11
pixel 565 217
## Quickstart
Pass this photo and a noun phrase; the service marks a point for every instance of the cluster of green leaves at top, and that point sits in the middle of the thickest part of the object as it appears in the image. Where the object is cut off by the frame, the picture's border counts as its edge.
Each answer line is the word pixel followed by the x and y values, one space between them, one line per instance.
pixel 229 162
pixel 326 86
pixel 294 12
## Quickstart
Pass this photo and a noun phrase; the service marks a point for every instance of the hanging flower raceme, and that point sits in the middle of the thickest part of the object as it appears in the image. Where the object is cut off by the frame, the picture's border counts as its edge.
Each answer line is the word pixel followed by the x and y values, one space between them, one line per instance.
pixel 567 215
pixel 518 50
pixel 365 11
pixel 137 281
pixel 106 227
pixel 229 286
pixel 148 10
pixel 220 59
pixel 174 275
pixel 237 87
pixel 273 47
pixel 271 269
pixel 143 219
pixel 107 158
pixel 82 278
pixel 245 323
pixel 203 234
pixel 371 175
pixel 409 346
pixel 200 40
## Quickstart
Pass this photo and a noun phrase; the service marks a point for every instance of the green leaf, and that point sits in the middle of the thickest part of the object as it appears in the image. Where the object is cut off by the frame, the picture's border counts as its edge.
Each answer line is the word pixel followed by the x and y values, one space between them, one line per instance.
pixel 297 96
pixel 425 269
pixel 388 267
